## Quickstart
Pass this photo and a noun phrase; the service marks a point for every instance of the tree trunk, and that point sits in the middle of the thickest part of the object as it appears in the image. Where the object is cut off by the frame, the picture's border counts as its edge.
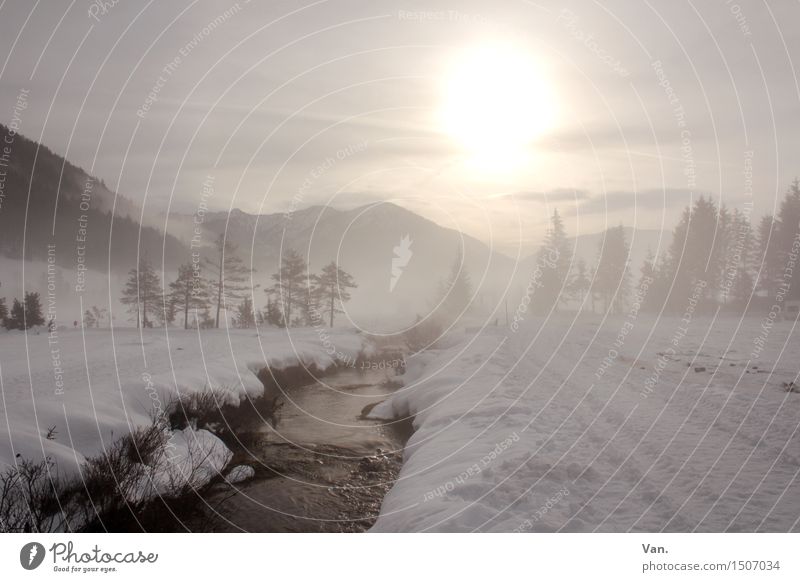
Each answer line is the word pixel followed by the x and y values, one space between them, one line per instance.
pixel 186 311
pixel 333 299
pixel 219 290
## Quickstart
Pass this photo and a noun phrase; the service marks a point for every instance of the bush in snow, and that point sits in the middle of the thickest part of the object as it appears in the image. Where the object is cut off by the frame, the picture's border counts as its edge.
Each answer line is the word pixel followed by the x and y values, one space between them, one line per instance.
pixel 33 498
pixel 423 334
pixel 125 489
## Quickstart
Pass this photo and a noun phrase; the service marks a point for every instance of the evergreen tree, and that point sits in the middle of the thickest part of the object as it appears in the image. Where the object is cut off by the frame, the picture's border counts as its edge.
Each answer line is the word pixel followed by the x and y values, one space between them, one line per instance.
pixel 723 241
pixel 89 319
pixel 99 314
pixel 3 309
pixel 612 279
pixel 651 286
pixel 245 318
pixel 33 310
pixel 231 275
pixel 168 311
pixel 205 319
pixel 695 253
pixel 331 289
pixel 788 231
pixel 738 279
pixel 189 291
pixel 580 283
pixel 291 287
pixel 455 292
pixel 16 319
pixel 142 294
pixel 554 259
pixel 767 256
pixel 273 315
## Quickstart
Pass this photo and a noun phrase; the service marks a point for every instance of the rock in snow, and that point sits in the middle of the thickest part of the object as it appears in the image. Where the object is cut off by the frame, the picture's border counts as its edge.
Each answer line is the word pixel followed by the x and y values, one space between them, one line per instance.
pixel 240 473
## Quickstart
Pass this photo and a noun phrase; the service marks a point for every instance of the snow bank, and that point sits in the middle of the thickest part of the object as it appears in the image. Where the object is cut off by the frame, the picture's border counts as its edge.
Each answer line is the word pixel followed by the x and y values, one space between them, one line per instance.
pixel 191 458
pixel 575 426
pixel 70 395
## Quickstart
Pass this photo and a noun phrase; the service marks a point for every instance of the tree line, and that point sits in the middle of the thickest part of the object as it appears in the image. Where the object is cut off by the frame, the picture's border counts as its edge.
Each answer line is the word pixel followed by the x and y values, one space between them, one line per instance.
pixel 714 249
pixel 23 314
pixel 224 282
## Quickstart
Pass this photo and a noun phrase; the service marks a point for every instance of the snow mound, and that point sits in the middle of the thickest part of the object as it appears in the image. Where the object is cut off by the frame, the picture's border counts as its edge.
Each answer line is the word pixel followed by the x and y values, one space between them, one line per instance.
pixel 240 473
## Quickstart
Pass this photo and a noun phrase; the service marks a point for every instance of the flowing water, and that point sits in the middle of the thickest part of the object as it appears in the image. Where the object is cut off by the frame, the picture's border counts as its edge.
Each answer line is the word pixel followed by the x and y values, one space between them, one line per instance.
pixel 322 466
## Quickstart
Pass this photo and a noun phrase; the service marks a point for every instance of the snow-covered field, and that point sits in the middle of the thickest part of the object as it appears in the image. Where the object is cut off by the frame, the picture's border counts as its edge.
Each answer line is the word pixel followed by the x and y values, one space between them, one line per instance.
pixel 576 424
pixel 83 388
pixel 579 425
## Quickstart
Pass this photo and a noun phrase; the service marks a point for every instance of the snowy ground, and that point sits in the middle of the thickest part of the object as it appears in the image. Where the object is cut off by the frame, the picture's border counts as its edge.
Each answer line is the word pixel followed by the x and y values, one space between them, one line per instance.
pixel 533 431
pixel 94 385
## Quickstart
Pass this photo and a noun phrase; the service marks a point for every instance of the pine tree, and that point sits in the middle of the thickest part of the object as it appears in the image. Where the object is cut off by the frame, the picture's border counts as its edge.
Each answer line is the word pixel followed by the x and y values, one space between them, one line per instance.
pixel 612 279
pixel 723 242
pixel 99 314
pixel 231 275
pixel 3 310
pixel 738 279
pixel 33 310
pixel 89 319
pixel 695 254
pixel 652 287
pixel 16 319
pixel 168 311
pixel 788 231
pixel 143 294
pixel 273 315
pixel 331 289
pixel 291 286
pixel 245 318
pixel 455 291
pixel 206 321
pixel 580 283
pixel 189 291
pixel 554 260
pixel 767 256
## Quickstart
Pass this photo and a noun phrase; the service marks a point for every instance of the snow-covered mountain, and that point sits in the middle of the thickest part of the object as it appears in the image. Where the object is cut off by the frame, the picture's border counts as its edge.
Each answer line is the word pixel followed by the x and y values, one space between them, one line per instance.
pixel 398 258
pixel 51 209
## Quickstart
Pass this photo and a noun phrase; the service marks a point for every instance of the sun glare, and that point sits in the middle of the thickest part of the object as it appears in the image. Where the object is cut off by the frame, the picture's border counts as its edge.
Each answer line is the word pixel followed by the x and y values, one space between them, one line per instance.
pixel 496 102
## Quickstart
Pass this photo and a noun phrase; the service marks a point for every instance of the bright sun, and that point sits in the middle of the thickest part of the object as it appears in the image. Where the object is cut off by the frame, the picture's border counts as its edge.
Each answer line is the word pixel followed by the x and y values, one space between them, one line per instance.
pixel 496 102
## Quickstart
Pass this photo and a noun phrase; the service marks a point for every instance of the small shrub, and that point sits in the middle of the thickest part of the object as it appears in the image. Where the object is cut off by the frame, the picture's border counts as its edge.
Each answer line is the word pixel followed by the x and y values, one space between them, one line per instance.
pixel 34 498
pixel 423 334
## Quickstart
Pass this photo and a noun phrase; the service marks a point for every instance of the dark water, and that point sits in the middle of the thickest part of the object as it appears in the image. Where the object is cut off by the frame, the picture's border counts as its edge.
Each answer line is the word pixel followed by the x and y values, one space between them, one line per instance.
pixel 323 466
pixel 329 413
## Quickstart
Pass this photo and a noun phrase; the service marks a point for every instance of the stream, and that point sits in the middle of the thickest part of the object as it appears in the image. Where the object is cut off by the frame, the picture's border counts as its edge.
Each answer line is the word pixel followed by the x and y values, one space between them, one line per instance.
pixel 323 467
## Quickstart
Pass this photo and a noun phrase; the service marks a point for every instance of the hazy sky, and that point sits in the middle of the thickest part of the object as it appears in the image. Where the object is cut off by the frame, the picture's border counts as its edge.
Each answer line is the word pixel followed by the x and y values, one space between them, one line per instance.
pixel 634 106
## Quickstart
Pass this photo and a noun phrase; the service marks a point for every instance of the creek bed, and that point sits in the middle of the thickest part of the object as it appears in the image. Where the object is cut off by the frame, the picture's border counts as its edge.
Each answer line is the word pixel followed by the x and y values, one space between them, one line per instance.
pixel 322 467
